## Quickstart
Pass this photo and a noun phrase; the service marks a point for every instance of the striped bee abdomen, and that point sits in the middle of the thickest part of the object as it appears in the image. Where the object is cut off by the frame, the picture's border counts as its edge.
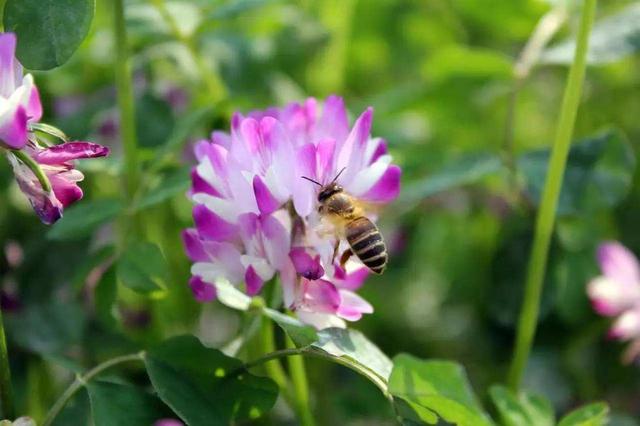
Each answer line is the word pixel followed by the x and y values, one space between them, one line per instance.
pixel 367 243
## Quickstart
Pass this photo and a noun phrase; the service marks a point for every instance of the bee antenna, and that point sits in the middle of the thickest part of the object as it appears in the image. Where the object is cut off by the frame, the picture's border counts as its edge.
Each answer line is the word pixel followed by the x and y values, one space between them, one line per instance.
pixel 338 175
pixel 311 180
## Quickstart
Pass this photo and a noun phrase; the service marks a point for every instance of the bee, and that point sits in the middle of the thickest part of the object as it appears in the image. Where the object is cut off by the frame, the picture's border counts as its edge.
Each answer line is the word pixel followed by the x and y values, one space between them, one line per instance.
pixel 363 236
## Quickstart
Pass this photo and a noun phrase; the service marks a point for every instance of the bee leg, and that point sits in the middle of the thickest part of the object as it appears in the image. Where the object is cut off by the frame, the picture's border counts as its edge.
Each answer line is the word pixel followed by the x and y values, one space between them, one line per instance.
pixel 335 248
pixel 345 257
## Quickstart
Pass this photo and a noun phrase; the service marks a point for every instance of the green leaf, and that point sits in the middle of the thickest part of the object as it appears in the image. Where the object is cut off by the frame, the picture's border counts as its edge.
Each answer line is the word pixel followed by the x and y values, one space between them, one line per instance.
pixel 81 219
pixel 522 410
pixel 115 404
pixel 598 175
pixel 612 38
pixel 464 171
pixel 590 415
pixel 412 413
pixel 235 8
pixel 47 328
pixel 171 185
pixel 49 31
pixel 105 296
pixel 353 346
pixel 301 334
pixel 154 121
pixel 204 386
pixel 142 268
pixel 439 386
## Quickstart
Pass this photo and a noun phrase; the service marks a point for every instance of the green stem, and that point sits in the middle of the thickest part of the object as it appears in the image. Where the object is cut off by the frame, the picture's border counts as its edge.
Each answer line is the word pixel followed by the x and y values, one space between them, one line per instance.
pixel 553 184
pixel 126 107
pixel 211 78
pixel 82 381
pixel 300 386
pixel 273 367
pixel 34 167
pixel 6 390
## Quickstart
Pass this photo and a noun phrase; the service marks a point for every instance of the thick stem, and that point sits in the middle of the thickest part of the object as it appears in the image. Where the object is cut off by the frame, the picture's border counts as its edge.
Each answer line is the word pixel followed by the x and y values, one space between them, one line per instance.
pixel 124 85
pixel 6 390
pixel 300 387
pixel 82 381
pixel 546 215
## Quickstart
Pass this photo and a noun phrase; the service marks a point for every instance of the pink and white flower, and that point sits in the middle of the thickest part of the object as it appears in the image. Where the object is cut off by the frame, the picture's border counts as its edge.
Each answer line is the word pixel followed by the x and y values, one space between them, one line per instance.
pixel 19 109
pixel 19 98
pixel 256 218
pixel 57 163
pixel 616 293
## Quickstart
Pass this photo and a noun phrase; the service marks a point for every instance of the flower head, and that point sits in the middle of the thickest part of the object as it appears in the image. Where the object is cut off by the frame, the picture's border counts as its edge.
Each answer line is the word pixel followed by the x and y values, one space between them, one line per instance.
pixel 36 165
pixel 255 217
pixel 57 164
pixel 19 98
pixel 616 293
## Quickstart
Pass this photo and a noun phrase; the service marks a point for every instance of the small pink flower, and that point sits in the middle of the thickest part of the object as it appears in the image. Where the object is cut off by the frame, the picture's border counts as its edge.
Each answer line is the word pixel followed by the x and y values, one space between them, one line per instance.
pixel 168 422
pixel 57 163
pixel 256 218
pixel 19 98
pixel 617 291
pixel 19 108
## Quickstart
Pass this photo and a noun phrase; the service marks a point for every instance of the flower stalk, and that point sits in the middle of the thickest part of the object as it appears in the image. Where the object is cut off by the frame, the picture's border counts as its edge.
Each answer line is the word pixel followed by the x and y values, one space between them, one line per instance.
pixel 300 387
pixel 125 99
pixel 553 184
pixel 6 390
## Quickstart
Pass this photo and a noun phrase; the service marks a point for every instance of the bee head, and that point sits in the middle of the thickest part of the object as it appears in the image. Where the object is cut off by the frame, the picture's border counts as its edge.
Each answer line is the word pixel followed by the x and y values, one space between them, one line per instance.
pixel 329 190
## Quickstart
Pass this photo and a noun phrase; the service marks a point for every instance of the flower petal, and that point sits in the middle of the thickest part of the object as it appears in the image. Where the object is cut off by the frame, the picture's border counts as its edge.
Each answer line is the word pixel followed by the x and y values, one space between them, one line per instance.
pixel 198 184
pixel 627 326
pixel 353 151
pixel 353 278
pixel 253 281
pixel 386 188
pixel 319 296
pixel 202 291
pixel 610 297
pixel 193 245
pixel 334 122
pixel 212 226
pixel 69 151
pixel 276 241
pixel 9 68
pixel 353 306
pixel 307 266
pixel 619 264
pixel 320 321
pixel 65 187
pixel 267 203
pixel 13 124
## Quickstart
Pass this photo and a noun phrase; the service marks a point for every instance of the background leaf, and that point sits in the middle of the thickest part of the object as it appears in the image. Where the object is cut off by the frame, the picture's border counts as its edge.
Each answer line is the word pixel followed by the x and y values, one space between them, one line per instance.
pixel 81 219
pixel 49 31
pixel 612 38
pixel 590 415
pixel 523 409
pixel 204 386
pixel 439 386
pixel 114 404
pixel 142 268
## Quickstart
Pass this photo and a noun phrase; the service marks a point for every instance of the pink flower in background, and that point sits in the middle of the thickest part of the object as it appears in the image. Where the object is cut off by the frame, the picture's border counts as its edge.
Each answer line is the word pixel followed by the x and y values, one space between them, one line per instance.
pixel 19 98
pixel 19 109
pixel 616 293
pixel 256 218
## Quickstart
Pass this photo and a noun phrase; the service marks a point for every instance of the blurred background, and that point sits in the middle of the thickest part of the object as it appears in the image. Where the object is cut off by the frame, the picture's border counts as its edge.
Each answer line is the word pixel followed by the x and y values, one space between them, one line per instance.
pixel 467 119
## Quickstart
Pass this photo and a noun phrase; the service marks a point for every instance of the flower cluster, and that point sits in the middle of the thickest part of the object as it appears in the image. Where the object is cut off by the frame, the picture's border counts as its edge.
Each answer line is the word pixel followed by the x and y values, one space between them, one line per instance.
pixel 35 164
pixel 616 293
pixel 255 217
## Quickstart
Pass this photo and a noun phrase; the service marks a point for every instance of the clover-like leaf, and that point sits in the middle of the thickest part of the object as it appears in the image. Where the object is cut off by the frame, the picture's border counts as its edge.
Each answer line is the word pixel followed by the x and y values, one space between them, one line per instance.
pixel 204 386
pixel 49 31
pixel 438 386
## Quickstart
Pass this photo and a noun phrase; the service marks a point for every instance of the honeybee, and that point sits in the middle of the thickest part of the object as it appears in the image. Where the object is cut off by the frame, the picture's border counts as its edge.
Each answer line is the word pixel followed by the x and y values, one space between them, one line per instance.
pixel 363 236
